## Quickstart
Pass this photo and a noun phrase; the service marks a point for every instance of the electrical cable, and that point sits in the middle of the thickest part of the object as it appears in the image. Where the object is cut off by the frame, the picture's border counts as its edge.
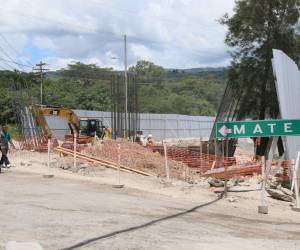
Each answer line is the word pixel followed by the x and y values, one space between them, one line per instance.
pixel 136 13
pixel 19 64
pixel 13 49
pixel 115 36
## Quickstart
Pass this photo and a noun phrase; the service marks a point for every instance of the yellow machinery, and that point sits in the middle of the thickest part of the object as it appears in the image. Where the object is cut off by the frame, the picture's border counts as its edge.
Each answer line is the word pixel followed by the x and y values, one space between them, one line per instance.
pixel 84 128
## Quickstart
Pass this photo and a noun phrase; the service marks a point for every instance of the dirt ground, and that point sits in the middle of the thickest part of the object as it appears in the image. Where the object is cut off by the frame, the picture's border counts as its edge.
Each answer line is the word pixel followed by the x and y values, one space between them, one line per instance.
pixel 83 211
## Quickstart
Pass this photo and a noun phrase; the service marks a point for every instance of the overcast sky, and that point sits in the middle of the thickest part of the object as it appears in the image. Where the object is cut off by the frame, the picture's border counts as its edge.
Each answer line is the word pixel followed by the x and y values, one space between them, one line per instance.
pixel 171 33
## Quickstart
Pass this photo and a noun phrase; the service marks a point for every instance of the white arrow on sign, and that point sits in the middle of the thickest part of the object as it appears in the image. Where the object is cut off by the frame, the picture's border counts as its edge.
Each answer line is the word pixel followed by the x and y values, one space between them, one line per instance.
pixel 224 131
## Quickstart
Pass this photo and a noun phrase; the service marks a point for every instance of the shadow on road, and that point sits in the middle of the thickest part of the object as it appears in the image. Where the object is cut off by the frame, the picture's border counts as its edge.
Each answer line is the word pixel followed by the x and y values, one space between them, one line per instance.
pixel 88 241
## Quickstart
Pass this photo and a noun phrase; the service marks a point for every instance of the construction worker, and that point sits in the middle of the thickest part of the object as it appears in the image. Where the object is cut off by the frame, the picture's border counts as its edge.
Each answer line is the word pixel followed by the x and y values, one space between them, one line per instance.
pixel 150 141
pixel 5 139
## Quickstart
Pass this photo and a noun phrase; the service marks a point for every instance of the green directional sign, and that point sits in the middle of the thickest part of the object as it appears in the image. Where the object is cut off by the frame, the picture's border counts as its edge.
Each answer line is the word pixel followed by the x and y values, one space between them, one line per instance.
pixel 257 128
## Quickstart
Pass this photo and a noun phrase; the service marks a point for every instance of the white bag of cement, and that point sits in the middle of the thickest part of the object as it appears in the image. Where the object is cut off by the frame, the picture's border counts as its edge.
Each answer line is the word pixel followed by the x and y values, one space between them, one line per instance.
pixel 13 245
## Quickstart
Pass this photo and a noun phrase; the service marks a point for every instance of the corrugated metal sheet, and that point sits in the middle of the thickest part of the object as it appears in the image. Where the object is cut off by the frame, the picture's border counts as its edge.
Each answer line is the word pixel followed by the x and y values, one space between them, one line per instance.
pixel 287 77
pixel 58 126
pixel 161 126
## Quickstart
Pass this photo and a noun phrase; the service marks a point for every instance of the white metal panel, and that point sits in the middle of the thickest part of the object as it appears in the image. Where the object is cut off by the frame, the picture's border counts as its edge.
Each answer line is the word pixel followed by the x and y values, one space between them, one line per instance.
pixel 288 91
pixel 163 126
pixel 58 126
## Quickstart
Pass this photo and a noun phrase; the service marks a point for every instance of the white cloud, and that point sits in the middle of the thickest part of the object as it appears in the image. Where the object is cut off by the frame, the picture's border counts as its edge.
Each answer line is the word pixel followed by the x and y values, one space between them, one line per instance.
pixel 141 52
pixel 181 33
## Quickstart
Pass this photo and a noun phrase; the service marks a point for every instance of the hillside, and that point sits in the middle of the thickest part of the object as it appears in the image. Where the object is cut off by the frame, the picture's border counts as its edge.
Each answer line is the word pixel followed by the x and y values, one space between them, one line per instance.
pixel 189 91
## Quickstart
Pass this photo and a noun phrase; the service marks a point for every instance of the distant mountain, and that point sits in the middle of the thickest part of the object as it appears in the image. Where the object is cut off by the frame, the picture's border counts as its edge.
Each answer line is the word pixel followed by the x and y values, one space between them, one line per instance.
pixel 197 70
pixel 219 72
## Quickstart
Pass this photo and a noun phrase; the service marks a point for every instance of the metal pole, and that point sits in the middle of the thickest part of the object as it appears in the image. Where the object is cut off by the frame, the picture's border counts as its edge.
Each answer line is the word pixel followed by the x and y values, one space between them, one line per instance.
pixel 75 151
pixel 200 151
pixel 48 175
pixel 295 182
pixel 296 188
pixel 119 185
pixel 49 148
pixel 225 168
pixel 166 162
pixel 41 69
pixel 263 208
pixel 119 163
pixel 215 144
pixel 126 84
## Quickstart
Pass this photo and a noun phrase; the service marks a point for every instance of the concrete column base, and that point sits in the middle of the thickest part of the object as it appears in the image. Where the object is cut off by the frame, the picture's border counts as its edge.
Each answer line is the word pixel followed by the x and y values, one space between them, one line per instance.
pixel 263 209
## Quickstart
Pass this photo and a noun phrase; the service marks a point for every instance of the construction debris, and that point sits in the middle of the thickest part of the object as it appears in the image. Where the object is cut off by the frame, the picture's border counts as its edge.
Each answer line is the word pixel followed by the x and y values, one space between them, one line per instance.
pixel 234 171
pixel 215 183
pixel 139 158
pixel 279 195
pixel 99 161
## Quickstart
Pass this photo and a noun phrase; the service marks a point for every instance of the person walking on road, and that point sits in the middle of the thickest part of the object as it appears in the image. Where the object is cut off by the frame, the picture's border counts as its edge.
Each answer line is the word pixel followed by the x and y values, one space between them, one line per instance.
pixel 5 140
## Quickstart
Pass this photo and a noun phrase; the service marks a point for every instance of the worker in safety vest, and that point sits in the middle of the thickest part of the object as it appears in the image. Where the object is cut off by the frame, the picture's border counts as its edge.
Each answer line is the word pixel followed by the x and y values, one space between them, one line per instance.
pixel 5 140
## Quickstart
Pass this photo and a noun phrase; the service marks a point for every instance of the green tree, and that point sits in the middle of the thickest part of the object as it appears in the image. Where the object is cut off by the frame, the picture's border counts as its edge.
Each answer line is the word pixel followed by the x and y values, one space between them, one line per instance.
pixel 148 71
pixel 257 27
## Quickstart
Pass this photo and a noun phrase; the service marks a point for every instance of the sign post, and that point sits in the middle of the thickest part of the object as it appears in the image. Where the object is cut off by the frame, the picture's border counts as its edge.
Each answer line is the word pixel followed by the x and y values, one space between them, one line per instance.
pixel 261 128
pixel 257 128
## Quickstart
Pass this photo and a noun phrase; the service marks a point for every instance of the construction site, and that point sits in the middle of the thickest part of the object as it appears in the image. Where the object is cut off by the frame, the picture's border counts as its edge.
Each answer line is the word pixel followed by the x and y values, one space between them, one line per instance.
pixel 70 163
pixel 123 178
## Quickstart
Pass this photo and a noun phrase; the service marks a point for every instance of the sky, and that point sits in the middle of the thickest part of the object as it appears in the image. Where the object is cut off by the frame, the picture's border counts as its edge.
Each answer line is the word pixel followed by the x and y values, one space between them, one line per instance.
pixel 172 33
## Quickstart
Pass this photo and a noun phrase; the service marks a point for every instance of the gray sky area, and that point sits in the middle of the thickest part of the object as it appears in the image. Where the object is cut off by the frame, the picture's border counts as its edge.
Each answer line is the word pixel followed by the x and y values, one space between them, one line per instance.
pixel 171 33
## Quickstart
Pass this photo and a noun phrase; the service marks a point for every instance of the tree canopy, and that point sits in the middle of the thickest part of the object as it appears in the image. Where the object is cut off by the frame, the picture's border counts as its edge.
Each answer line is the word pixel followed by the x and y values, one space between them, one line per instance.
pixel 255 28
pixel 87 86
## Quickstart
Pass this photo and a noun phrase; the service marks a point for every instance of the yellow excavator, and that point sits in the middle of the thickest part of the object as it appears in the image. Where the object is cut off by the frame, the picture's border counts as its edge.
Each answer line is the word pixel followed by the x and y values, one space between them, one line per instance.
pixel 84 128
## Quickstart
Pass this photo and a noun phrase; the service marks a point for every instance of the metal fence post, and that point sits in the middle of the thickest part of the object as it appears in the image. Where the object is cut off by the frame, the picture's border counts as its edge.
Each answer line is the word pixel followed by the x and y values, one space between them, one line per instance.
pixel 119 185
pixel 263 208
pixel 48 175
pixel 200 151
pixel 296 184
pixel 75 151
pixel 166 162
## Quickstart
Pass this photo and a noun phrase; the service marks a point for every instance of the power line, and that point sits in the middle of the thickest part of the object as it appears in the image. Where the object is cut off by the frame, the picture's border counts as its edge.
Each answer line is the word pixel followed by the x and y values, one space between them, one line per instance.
pixel 11 59
pixel 174 22
pixel 116 36
pixel 8 56
pixel 9 65
pixel 12 48
pixel 44 19
pixel 19 64
pixel 113 36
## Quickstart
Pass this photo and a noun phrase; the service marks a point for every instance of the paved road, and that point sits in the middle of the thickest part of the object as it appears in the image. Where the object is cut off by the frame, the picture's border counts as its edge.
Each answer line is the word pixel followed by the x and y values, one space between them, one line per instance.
pixel 69 214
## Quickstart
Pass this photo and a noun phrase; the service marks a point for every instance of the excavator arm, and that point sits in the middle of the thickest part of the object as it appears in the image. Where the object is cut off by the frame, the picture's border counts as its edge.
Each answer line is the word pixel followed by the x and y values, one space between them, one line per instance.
pixel 41 121
pixel 63 112
pixel 94 127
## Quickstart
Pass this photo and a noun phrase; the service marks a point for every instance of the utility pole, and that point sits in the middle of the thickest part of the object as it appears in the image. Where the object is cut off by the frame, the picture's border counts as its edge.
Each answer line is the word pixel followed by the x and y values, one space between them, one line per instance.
pixel 126 86
pixel 41 71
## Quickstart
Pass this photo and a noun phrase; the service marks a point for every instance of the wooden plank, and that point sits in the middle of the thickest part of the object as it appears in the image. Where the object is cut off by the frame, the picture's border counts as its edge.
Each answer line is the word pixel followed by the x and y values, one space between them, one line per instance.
pixel 88 159
pixel 110 164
